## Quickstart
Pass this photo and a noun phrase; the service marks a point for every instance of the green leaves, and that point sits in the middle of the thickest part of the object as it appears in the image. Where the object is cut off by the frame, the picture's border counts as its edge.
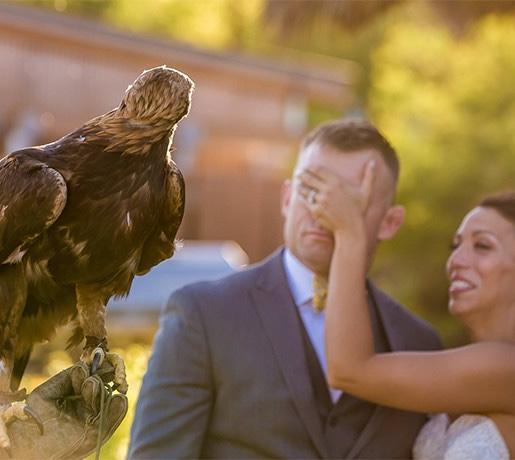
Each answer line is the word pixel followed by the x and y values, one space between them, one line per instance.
pixel 448 106
pixel 206 23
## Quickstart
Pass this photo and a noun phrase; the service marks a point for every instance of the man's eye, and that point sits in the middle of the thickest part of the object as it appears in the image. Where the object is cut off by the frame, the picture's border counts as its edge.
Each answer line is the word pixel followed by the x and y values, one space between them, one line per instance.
pixel 482 246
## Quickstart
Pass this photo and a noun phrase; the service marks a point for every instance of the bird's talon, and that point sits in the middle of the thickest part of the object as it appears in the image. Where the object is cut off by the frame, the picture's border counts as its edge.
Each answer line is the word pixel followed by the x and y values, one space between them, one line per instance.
pixel 98 356
pixel 35 418
pixel 120 376
pixel 16 410
pixel 115 386
pixel 122 387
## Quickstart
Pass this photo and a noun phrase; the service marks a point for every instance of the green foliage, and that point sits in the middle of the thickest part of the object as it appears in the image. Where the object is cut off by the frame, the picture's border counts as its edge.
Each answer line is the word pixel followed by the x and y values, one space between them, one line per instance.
pixel 322 35
pixel 218 24
pixel 208 23
pixel 448 105
pixel 87 8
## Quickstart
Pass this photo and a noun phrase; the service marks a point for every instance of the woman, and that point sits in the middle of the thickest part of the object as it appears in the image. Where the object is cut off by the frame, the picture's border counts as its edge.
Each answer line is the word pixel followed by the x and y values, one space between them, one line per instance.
pixel 472 388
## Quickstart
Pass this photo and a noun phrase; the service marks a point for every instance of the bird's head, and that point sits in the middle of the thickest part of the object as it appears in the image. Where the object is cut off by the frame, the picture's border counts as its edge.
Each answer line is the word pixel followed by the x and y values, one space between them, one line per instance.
pixel 158 96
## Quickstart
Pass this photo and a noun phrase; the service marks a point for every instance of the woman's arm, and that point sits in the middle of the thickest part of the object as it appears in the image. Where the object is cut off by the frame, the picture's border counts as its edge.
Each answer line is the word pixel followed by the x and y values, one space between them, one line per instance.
pixel 475 378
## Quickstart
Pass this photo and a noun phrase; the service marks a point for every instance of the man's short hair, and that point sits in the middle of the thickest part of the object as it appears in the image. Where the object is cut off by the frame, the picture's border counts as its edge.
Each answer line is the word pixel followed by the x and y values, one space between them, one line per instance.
pixel 350 135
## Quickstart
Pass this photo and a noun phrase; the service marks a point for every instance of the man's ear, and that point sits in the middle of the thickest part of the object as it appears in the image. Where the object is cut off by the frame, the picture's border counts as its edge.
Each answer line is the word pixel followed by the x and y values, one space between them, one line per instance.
pixel 286 190
pixel 391 223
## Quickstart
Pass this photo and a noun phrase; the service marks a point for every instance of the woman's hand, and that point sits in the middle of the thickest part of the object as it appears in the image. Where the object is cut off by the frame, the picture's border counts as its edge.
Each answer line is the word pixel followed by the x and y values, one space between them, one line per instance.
pixel 335 203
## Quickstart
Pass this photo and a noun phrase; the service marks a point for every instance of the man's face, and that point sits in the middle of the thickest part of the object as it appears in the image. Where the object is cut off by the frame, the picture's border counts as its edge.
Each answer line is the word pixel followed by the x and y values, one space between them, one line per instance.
pixel 311 243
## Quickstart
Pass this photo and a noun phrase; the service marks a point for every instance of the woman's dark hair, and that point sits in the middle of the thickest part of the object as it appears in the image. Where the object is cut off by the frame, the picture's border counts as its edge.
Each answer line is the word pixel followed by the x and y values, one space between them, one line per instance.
pixel 503 203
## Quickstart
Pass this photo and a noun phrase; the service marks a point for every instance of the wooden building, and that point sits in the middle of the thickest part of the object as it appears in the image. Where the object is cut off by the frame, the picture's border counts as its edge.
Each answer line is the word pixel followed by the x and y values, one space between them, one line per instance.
pixel 237 144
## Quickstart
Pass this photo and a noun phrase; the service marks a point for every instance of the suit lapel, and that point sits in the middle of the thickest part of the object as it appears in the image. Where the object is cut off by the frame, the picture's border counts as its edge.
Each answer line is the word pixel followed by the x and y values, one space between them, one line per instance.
pixel 382 306
pixel 276 309
pixel 389 315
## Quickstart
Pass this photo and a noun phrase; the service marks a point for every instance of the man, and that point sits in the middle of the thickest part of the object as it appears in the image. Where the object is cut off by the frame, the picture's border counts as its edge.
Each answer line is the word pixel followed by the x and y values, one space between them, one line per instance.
pixel 238 364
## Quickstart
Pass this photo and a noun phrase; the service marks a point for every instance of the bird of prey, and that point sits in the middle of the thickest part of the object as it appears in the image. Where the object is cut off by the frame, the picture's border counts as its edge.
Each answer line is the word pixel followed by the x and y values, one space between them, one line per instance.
pixel 79 218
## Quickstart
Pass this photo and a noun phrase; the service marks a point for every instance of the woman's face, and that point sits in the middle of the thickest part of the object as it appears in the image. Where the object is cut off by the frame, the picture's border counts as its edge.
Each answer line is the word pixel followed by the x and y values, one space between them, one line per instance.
pixel 481 267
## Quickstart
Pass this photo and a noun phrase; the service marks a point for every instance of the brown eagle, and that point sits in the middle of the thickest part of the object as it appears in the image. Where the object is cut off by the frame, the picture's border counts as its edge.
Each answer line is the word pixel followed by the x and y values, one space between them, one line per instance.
pixel 81 216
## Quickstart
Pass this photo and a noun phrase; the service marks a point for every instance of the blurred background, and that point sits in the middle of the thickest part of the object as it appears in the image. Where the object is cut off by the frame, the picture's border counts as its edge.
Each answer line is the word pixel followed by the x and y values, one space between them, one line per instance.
pixel 435 76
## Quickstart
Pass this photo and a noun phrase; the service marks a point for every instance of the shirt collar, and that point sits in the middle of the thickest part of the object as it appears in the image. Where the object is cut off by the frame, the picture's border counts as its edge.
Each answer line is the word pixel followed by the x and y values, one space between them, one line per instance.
pixel 299 278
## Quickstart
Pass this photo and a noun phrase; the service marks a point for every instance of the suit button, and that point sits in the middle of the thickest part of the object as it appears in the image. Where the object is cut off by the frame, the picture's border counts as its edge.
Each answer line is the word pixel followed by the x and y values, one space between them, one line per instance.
pixel 333 420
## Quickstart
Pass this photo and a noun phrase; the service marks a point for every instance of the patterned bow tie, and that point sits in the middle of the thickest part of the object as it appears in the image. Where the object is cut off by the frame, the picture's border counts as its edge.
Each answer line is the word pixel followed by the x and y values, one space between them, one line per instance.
pixel 319 293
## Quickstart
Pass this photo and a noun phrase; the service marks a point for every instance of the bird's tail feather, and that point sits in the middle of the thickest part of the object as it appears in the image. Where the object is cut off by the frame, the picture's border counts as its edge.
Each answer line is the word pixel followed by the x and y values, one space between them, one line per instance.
pixel 20 363
pixel 77 336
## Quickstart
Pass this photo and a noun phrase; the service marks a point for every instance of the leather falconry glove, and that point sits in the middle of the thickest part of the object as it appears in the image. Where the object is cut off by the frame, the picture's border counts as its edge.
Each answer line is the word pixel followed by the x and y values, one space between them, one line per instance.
pixel 69 406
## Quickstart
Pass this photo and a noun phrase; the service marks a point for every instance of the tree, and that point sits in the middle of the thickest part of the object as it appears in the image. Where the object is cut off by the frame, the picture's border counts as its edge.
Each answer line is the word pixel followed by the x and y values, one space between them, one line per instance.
pixel 448 105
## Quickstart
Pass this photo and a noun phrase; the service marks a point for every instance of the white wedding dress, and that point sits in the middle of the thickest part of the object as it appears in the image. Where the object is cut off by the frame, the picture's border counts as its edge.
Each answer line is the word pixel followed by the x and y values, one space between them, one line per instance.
pixel 469 437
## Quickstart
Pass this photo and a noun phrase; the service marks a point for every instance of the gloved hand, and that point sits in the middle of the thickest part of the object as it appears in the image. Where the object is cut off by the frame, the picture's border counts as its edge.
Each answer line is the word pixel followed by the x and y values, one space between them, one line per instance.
pixel 68 405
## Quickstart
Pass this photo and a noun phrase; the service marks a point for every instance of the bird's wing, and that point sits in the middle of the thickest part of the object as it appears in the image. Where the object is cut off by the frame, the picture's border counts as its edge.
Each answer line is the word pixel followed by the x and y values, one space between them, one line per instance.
pixel 161 243
pixel 32 196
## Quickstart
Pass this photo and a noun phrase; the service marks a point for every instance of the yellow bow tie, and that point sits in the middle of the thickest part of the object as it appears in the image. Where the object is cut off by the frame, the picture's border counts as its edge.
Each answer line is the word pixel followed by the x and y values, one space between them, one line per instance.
pixel 319 293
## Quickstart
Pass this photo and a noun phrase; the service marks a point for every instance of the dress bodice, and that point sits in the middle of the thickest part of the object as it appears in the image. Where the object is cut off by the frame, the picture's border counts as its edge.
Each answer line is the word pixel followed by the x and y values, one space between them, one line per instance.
pixel 469 437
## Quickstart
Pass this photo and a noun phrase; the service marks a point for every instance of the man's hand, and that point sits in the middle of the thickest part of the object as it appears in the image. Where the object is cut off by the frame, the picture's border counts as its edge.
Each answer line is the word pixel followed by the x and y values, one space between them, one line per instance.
pixel 69 406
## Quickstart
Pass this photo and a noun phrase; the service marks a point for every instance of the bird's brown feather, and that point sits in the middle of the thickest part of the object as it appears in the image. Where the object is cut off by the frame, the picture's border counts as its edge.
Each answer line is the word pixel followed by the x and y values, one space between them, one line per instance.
pixel 107 204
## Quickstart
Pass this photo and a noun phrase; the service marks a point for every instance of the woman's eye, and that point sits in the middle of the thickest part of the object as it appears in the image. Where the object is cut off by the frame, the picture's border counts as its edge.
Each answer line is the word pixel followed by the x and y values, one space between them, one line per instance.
pixel 482 246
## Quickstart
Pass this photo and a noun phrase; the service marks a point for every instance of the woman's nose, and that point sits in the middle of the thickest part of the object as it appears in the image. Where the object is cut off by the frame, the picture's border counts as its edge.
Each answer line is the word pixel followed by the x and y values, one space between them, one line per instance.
pixel 459 258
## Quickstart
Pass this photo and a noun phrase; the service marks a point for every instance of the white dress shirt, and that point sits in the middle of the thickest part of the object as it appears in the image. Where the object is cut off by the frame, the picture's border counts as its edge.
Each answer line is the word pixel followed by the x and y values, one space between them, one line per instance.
pixel 300 281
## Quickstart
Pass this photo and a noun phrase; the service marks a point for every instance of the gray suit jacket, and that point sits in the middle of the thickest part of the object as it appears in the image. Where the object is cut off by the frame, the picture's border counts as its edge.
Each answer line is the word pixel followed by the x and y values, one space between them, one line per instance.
pixel 228 377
